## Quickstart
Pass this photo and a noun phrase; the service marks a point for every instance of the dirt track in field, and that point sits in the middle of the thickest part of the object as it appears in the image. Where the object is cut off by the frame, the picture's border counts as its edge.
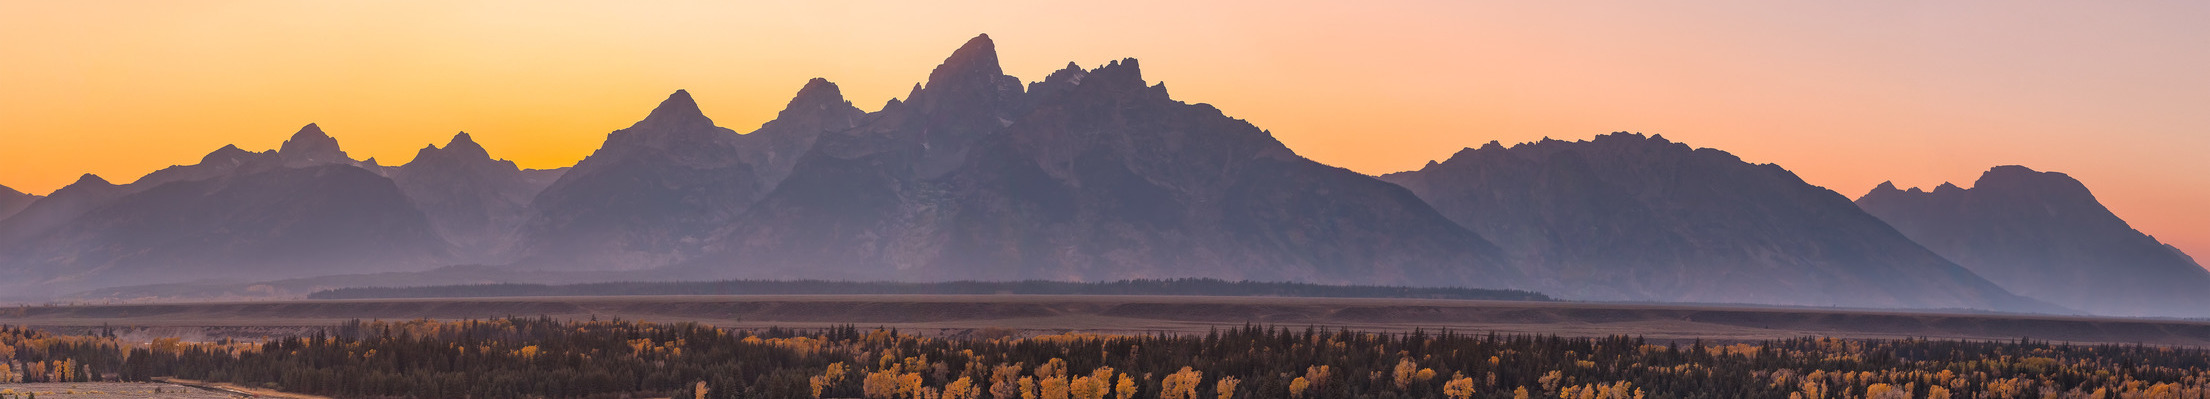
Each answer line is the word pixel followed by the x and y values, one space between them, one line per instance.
pixel 956 314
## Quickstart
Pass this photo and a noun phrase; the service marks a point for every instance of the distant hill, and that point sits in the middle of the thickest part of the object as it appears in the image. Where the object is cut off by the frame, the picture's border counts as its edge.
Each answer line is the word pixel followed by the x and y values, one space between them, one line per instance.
pixel 2044 235
pixel 1630 217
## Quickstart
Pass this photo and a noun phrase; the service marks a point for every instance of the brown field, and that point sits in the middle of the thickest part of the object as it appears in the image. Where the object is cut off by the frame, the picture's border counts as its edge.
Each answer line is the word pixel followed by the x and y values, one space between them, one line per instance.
pixel 963 314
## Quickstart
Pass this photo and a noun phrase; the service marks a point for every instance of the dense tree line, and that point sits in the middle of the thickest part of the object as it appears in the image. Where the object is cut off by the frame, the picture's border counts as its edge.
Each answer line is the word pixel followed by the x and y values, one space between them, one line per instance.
pixel 1210 287
pixel 529 358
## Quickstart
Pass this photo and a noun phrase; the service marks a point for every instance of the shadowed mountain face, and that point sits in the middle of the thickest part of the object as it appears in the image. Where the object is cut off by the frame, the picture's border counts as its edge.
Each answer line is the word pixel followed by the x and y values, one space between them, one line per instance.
pixel 1629 217
pixel 657 190
pixel 55 211
pixel 12 201
pixel 473 201
pixel 1090 174
pixel 2043 235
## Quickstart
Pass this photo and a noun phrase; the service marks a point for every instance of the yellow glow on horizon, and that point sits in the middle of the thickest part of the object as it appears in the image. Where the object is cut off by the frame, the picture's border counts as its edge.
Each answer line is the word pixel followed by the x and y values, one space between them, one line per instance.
pixel 1846 94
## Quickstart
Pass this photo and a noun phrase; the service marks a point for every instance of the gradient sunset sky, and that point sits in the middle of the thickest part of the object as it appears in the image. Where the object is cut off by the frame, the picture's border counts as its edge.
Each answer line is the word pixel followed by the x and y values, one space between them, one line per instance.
pixel 1845 93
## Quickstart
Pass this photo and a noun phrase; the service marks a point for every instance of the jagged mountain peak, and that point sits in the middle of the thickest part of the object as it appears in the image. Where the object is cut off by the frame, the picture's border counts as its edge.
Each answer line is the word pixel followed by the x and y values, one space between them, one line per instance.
pixel 974 62
pixel 677 112
pixel 310 146
pixel 819 93
pixel 464 146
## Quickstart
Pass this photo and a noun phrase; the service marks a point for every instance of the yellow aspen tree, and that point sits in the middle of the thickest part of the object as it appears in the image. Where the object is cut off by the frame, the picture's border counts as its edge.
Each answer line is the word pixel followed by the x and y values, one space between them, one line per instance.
pixel 1814 389
pixel 1298 386
pixel 1226 387
pixel 1550 381
pixel 909 384
pixel 1028 388
pixel 1181 384
pixel 698 391
pixel 1406 370
pixel 1520 393
pixel 1458 388
pixel 963 388
pixel 830 376
pixel 1086 387
pixel 1319 375
pixel 881 384
pixel 1004 381
pixel 1053 368
pixel 1126 388
pixel 1054 388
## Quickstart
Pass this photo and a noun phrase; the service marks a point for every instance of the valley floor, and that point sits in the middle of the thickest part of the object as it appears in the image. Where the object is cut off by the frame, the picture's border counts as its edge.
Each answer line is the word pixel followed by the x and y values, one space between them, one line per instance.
pixel 954 315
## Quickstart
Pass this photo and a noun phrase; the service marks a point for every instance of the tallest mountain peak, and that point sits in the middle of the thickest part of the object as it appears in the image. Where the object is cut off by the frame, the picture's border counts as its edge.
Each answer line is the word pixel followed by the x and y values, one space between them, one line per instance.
pixel 974 63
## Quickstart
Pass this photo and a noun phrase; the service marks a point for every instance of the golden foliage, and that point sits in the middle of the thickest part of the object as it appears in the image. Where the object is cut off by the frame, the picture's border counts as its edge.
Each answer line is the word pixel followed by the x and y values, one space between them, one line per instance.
pixel 1458 388
pixel 1181 384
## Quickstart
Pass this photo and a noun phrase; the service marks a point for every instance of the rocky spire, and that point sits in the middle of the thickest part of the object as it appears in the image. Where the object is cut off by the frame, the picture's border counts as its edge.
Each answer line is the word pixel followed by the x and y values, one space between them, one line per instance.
pixel 974 64
pixel 679 111
pixel 464 146
pixel 818 94
pixel 310 146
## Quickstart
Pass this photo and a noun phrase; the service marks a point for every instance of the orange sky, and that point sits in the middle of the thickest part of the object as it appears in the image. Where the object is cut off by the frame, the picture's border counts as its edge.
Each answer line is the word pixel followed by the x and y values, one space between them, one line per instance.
pixel 1847 94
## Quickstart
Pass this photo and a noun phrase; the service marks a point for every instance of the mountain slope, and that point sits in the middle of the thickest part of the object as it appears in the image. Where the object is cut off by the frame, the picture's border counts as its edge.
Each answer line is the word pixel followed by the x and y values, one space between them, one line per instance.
pixel 1087 175
pixel 473 201
pixel 1628 217
pixel 12 201
pixel 2045 236
pixel 56 210
pixel 656 190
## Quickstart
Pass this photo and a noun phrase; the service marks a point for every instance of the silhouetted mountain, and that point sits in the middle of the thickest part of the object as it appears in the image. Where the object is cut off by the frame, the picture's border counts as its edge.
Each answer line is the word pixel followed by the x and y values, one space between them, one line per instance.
pixel 2043 235
pixel 12 201
pixel 237 214
pixel 657 190
pixel 216 164
pixel 1628 217
pixel 55 210
pixel 1091 175
pixel 310 146
pixel 776 146
pixel 473 201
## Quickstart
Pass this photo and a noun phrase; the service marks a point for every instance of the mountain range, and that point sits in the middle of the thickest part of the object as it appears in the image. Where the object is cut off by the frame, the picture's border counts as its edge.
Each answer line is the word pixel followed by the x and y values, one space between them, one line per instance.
pixel 1088 174
pixel 2044 235
pixel 1629 217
